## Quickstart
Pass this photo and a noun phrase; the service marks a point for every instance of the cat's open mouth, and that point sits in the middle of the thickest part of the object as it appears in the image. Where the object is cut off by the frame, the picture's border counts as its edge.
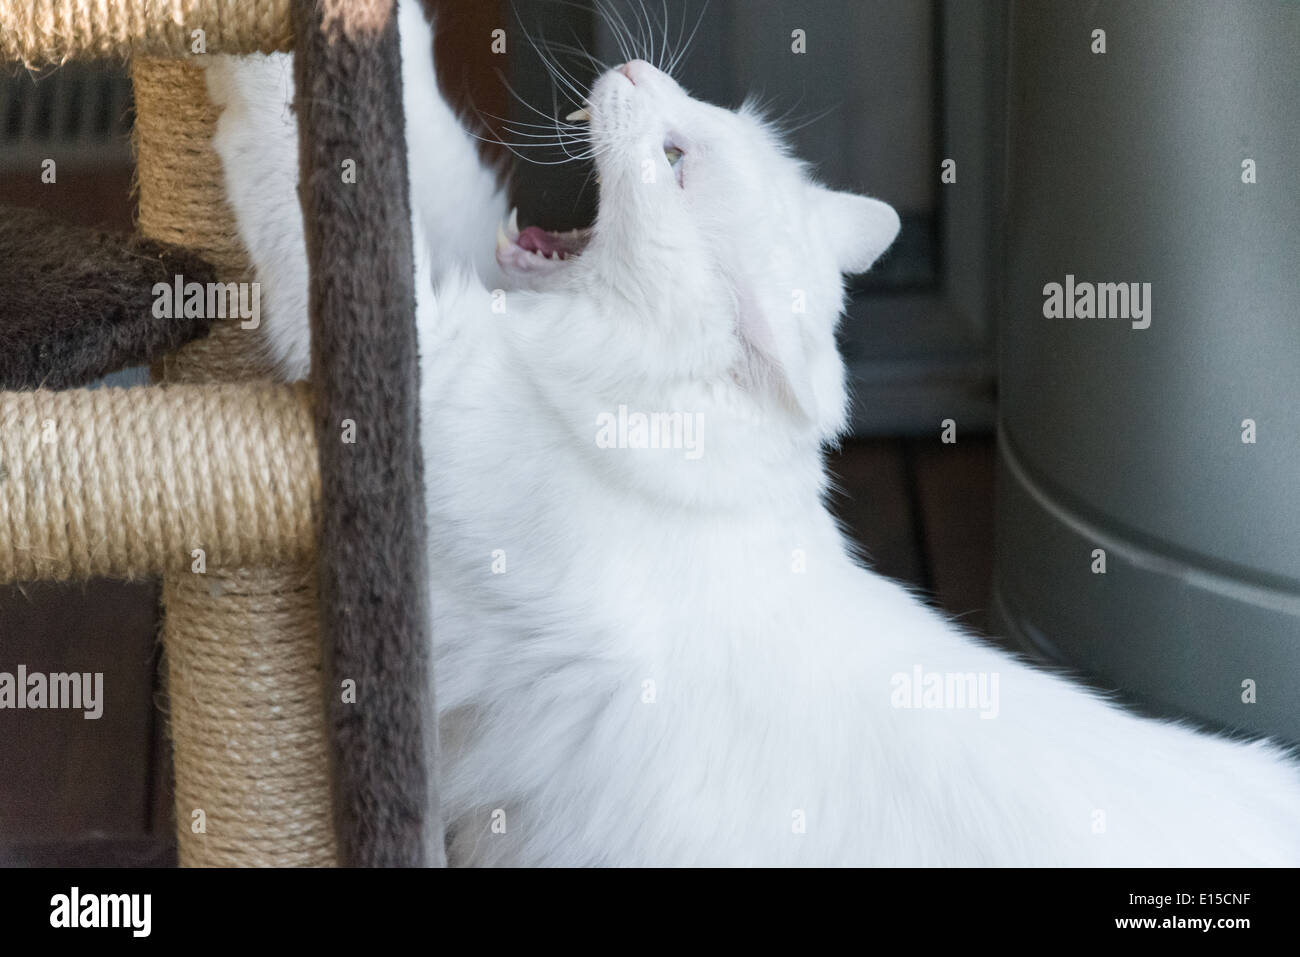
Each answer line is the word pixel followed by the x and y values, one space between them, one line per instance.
pixel 536 250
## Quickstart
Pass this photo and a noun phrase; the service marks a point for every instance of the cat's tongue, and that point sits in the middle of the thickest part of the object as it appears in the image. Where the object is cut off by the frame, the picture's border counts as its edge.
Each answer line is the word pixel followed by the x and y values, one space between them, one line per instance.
pixel 530 256
pixel 537 240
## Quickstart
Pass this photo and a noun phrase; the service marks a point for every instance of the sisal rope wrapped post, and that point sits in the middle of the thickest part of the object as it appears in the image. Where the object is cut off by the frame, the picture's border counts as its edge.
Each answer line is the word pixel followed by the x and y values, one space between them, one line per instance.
pixel 127 483
pixel 247 710
pixel 43 32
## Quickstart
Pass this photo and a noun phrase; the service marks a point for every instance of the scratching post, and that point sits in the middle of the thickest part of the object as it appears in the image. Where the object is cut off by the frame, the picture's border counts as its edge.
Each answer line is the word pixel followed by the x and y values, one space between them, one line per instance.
pixel 242 647
pixel 347 69
pixel 243 674
pixel 125 483
pixel 128 483
pixel 39 31
pixel 182 201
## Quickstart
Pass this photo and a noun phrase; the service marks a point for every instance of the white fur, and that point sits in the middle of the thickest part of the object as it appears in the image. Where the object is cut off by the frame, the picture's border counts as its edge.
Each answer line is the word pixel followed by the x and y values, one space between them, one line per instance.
pixel 650 681
pixel 257 139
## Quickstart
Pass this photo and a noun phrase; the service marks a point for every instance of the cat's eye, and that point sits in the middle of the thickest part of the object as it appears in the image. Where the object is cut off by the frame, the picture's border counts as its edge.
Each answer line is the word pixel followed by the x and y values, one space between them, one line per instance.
pixel 674 155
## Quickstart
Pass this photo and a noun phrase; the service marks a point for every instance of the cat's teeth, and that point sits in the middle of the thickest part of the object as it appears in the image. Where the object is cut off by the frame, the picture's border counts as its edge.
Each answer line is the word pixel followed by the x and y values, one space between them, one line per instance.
pixel 512 227
pixel 503 241
pixel 579 116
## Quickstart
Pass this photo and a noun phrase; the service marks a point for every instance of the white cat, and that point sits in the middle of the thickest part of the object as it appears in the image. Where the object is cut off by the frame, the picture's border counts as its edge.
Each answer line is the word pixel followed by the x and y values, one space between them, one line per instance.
pixel 667 655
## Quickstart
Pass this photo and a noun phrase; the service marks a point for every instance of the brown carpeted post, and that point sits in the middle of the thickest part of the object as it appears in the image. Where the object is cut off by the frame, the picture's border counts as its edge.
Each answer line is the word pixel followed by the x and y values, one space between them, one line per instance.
pixel 373 584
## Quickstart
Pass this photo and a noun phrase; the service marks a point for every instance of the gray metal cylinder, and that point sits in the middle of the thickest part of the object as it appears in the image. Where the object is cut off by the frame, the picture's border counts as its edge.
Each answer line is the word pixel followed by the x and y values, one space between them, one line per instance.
pixel 1130 166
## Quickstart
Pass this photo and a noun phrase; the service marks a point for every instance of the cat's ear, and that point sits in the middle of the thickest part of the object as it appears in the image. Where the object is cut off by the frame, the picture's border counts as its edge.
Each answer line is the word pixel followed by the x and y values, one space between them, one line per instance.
pixel 858 228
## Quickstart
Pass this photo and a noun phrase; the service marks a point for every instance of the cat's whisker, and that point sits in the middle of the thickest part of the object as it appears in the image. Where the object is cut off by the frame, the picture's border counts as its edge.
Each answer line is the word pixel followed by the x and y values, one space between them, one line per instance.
pixel 555 108
pixel 669 47
pixel 549 139
pixel 651 39
pixel 816 117
pixel 545 141
pixel 553 124
pixel 683 50
pixel 555 136
pixel 549 117
pixel 558 73
pixel 646 38
pixel 638 42
pixel 514 122
pixel 517 146
pixel 570 138
pixel 552 128
pixel 568 133
pixel 547 144
pixel 592 63
pixel 609 24
pixel 530 159
pixel 573 50
pixel 553 63
pixel 628 49
pixel 663 55
pixel 540 145
pixel 651 28
pixel 786 122
pixel 553 67
pixel 576 48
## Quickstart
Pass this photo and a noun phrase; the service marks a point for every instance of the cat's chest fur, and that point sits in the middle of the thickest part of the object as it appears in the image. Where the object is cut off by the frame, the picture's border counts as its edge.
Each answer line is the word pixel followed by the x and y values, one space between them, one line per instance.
pixel 622 680
pixel 601 655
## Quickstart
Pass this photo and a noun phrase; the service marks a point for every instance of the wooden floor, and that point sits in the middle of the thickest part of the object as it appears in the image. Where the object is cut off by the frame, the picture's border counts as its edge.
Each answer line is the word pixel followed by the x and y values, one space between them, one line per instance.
pixel 97 792
pixel 923 511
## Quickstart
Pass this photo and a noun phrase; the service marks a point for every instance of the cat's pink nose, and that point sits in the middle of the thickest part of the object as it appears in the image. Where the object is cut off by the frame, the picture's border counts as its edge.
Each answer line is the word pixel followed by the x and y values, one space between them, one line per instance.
pixel 636 70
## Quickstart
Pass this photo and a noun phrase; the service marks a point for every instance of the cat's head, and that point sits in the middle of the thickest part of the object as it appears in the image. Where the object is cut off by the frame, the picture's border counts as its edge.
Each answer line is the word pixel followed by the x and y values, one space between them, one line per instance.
pixel 716 235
